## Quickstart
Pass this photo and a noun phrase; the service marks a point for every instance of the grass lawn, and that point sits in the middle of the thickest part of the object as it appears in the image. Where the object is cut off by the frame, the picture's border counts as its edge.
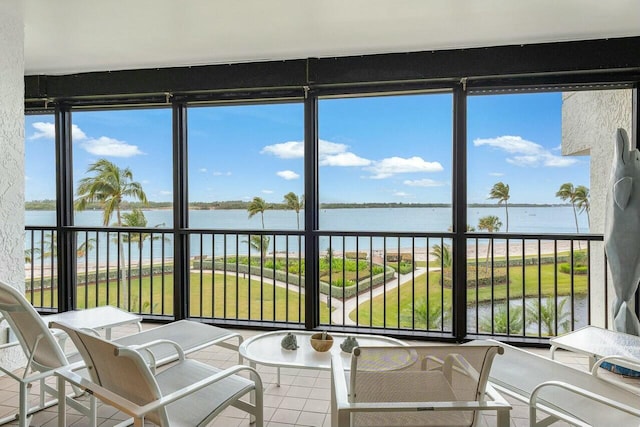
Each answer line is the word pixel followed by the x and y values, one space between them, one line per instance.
pixel 240 299
pixel 386 307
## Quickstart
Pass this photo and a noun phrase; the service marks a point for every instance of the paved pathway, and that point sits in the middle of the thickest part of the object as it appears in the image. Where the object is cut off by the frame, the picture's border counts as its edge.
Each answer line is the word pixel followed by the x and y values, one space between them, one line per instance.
pixel 341 309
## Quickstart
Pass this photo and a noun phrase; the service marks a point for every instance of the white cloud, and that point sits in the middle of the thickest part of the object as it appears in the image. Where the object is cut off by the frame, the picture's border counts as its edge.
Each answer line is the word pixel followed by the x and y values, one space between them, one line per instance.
pixel 105 146
pixel 166 192
pixel 47 130
pixel 219 173
pixel 394 165
pixel 267 191
pixel 527 153
pixel 423 183
pixel 329 153
pixel 401 194
pixel 285 150
pixel 496 174
pixel 288 175
pixel 344 159
pixel 203 170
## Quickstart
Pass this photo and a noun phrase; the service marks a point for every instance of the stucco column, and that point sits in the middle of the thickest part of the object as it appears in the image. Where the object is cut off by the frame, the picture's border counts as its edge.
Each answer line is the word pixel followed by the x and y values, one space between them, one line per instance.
pixel 11 153
pixel 589 123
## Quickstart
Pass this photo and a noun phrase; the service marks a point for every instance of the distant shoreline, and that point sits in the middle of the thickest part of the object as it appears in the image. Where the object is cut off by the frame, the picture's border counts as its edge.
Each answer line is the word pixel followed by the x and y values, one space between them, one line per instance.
pixel 49 205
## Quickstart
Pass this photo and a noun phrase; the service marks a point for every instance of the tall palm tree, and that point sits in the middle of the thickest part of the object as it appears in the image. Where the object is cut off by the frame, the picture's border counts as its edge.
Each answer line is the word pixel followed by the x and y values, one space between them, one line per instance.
pixel 294 203
pixel 257 205
pixel 492 224
pixel 442 254
pixel 136 218
pixel 583 202
pixel 567 192
pixel 109 186
pixel 500 192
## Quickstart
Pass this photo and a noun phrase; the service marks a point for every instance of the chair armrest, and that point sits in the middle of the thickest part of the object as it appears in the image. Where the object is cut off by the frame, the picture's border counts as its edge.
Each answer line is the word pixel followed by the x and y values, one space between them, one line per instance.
pixel 138 411
pixel 185 391
pixel 100 392
pixel 148 346
pixel 340 390
pixel 533 402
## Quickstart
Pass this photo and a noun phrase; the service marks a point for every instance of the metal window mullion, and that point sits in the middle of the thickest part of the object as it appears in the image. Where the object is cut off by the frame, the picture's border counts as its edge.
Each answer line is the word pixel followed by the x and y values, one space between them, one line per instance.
pixel 66 261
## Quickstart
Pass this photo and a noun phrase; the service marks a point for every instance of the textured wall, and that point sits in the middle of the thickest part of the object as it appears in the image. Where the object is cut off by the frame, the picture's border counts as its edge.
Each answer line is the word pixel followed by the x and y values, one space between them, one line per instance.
pixel 589 122
pixel 11 152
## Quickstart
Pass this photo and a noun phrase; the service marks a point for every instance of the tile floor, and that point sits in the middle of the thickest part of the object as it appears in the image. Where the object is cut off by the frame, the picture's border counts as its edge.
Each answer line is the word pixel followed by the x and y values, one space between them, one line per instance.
pixel 301 400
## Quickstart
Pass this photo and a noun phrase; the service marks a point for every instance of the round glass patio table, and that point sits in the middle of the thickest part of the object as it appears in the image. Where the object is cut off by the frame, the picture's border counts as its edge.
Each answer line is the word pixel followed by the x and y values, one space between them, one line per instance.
pixel 265 349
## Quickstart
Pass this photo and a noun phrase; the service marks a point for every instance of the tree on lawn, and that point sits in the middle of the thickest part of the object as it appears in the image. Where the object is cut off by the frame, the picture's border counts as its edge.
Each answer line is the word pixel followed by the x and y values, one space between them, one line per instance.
pixel 582 198
pixel 294 203
pixel 567 192
pixel 500 192
pixel 109 186
pixel 492 224
pixel 257 206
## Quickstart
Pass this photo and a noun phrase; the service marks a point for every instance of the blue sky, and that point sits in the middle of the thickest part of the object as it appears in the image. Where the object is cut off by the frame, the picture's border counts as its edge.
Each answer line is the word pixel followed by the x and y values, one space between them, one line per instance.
pixel 375 149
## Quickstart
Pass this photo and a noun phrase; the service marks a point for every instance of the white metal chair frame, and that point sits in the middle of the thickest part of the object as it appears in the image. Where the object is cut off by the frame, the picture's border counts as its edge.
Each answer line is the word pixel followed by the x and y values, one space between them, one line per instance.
pixel 158 405
pixel 42 347
pixel 344 405
pixel 43 353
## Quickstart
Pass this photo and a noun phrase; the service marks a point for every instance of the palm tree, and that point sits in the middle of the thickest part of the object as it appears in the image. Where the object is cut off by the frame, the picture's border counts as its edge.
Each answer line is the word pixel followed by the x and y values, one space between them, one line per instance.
pixel 435 317
pixel 257 205
pixel 108 186
pixel 582 201
pixel 85 247
pixel 294 203
pixel 500 192
pixel 499 324
pixel 545 315
pixel 492 224
pixel 442 254
pixel 136 218
pixel 568 192
pixel 259 243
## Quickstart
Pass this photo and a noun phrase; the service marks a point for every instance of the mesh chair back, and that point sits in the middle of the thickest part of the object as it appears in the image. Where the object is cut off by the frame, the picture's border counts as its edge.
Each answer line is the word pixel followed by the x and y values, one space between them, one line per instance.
pixel 118 369
pixel 420 374
pixel 33 334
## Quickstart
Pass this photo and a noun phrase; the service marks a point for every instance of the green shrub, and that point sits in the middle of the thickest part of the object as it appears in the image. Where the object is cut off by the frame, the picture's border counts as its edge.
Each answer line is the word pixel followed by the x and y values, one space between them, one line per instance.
pixel 485 278
pixel 354 255
pixel 577 269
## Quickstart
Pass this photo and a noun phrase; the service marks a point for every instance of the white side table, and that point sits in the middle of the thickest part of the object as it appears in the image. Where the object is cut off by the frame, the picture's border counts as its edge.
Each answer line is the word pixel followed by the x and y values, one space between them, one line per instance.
pixel 265 349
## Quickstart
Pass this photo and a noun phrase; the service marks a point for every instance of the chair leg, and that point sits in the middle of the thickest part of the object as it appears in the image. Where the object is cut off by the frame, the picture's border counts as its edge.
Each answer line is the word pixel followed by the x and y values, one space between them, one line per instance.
pixel 503 418
pixel 62 403
pixel 23 405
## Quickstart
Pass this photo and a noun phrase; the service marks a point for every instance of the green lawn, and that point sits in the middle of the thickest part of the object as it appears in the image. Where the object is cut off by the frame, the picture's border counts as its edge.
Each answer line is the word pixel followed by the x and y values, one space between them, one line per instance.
pixel 240 299
pixel 386 307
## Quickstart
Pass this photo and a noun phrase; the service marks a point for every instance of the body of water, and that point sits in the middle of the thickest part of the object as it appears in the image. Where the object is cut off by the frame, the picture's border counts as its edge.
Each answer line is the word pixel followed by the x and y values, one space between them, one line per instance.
pixel 539 220
pixel 556 219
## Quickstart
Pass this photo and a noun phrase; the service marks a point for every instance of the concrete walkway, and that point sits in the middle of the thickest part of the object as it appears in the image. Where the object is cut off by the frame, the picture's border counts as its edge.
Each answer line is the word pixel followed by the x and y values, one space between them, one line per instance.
pixel 341 309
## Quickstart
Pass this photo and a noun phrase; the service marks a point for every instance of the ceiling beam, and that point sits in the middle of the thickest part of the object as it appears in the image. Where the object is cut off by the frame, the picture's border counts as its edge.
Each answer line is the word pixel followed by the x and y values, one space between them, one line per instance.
pixel 562 62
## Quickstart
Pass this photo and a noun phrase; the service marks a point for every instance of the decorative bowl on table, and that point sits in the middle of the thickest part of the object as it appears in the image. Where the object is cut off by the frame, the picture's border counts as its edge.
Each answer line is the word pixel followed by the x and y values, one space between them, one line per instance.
pixel 321 341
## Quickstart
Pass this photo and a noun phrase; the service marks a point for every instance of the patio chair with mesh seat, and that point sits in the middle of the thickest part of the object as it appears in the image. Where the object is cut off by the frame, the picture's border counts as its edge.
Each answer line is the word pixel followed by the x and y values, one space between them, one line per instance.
pixel 45 355
pixel 415 386
pixel 187 393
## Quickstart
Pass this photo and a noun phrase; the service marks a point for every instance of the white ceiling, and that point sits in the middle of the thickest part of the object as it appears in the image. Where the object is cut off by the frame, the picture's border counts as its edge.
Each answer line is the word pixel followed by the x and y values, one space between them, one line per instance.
pixel 68 36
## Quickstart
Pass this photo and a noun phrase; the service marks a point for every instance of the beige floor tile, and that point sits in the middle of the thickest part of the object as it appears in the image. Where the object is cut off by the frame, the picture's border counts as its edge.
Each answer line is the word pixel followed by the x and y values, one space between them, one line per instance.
pixel 301 400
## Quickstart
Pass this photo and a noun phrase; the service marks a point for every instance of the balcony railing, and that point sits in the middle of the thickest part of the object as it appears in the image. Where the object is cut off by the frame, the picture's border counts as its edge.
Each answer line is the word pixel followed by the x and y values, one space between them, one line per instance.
pixel 517 287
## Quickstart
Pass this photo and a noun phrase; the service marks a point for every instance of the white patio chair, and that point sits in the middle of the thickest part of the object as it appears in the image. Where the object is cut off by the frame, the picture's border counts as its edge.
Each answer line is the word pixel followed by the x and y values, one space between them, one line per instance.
pixel 44 354
pixel 185 394
pixel 415 386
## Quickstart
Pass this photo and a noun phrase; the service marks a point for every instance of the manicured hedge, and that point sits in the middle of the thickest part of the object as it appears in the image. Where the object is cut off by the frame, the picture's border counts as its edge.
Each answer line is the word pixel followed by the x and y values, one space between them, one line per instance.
pixel 294 279
pixel 113 274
